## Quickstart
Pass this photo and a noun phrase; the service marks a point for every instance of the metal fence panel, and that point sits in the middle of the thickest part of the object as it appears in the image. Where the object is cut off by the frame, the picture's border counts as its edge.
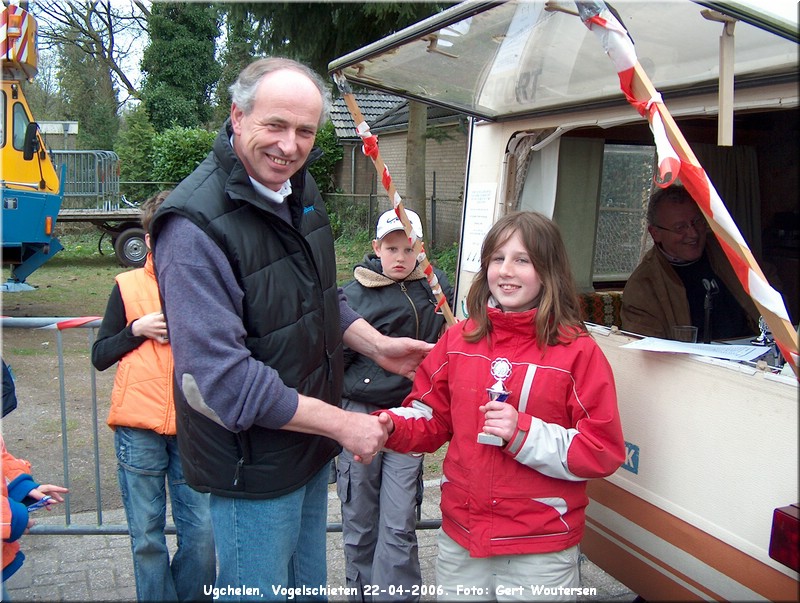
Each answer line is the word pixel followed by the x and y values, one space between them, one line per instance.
pixel 92 180
pixel 91 323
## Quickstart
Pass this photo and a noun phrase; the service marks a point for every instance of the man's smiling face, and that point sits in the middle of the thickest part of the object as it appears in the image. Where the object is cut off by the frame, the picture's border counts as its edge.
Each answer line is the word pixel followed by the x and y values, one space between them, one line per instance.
pixel 680 230
pixel 274 140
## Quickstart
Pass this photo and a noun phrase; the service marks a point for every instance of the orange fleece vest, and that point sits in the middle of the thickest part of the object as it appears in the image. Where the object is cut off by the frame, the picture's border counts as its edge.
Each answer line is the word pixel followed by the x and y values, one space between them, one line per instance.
pixel 142 396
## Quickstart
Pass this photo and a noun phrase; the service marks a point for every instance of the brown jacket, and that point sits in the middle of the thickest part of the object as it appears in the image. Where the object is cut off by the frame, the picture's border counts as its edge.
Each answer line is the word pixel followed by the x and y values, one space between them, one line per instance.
pixel 654 298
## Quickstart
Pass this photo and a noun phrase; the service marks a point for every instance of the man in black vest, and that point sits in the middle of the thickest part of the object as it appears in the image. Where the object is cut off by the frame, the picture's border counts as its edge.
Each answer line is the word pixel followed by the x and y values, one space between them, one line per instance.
pixel 245 263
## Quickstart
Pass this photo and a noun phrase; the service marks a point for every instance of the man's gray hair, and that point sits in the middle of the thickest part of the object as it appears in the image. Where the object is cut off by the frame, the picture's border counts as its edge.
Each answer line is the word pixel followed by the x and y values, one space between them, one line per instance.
pixel 243 90
pixel 675 193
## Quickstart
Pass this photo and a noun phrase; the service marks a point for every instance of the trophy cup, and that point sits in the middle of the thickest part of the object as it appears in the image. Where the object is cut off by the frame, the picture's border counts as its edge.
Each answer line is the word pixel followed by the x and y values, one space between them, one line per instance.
pixel 501 370
pixel 764 337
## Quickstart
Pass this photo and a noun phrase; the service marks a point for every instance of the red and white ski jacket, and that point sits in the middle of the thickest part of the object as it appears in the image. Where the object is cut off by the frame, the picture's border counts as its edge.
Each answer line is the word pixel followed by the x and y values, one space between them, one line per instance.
pixel 529 496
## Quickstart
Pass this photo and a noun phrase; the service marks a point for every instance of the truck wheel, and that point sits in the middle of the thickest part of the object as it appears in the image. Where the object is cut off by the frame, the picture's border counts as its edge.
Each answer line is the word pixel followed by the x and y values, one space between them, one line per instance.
pixel 130 248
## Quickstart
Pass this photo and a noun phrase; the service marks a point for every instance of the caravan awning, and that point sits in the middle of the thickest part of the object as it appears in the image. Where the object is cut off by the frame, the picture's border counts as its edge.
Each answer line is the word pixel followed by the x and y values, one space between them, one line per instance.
pixel 522 58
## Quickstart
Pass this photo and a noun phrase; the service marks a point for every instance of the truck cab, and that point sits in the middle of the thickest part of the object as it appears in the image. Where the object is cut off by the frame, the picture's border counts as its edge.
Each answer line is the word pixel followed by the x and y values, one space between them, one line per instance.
pixel 31 188
pixel 705 506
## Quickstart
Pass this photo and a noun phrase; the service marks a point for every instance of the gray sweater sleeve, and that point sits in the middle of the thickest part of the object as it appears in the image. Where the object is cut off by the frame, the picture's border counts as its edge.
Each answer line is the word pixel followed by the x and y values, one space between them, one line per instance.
pixel 203 304
pixel 347 315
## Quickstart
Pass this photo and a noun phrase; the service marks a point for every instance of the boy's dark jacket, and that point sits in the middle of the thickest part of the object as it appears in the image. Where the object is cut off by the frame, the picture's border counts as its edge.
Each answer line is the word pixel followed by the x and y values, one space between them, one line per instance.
pixel 398 309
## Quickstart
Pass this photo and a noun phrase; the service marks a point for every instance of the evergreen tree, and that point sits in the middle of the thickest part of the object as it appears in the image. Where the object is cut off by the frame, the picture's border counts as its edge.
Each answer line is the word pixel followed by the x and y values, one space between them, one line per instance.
pixel 180 65
pixel 135 150
pixel 318 32
pixel 178 151
pixel 239 51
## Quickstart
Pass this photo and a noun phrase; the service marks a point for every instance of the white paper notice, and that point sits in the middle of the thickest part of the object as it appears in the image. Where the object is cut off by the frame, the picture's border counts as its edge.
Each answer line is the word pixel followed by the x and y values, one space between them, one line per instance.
pixel 739 353
pixel 477 222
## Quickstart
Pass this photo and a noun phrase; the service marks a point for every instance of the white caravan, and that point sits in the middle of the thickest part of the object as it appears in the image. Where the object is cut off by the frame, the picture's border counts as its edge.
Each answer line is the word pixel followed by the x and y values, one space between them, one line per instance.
pixel 705 507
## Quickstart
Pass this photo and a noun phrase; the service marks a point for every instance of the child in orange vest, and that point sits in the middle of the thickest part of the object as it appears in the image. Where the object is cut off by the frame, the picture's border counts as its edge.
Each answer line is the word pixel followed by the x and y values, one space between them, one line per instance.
pixel 142 415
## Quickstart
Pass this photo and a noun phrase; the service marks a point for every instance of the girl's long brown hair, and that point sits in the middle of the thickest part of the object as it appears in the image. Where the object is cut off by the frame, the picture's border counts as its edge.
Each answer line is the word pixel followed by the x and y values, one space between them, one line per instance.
pixel 559 317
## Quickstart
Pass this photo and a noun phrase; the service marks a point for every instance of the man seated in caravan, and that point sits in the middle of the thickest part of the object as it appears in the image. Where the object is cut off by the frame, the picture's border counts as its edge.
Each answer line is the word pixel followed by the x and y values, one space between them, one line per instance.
pixel 682 273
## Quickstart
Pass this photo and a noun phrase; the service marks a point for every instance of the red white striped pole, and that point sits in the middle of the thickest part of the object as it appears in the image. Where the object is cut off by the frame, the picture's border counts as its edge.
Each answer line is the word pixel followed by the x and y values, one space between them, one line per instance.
pixel 676 157
pixel 370 148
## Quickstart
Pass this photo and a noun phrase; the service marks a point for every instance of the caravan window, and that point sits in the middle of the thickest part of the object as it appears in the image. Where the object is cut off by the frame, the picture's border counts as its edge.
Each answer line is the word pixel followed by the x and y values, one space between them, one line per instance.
pixel 596 186
pixel 598 196
pixel 625 188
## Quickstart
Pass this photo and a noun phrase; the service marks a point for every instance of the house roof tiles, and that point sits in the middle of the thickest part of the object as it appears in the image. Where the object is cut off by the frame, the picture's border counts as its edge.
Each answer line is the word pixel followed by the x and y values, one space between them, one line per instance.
pixel 397 118
pixel 372 105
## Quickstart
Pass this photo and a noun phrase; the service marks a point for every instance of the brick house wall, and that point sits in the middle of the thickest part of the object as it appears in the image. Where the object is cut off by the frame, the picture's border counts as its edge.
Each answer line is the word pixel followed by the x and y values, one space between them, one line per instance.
pixel 363 175
pixel 446 158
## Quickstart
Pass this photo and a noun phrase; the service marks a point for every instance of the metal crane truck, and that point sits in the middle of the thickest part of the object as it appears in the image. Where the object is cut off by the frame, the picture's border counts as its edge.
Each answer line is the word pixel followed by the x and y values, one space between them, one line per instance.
pixel 30 187
pixel 36 182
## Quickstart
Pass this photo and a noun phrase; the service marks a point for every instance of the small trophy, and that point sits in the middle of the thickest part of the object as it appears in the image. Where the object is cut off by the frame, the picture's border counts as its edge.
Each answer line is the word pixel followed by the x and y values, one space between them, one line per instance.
pixel 501 370
pixel 764 337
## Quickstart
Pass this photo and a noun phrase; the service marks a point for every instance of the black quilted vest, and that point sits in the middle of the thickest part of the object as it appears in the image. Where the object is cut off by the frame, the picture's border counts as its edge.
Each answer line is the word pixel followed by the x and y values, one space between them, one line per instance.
pixel 291 315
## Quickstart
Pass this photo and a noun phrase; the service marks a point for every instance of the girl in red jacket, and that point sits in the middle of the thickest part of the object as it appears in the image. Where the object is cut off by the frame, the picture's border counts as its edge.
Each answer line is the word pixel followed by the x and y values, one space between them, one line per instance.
pixel 527 400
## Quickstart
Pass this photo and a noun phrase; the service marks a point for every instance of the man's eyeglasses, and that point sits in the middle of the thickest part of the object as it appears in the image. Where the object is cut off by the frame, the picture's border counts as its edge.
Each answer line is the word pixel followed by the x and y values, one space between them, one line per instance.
pixel 699 225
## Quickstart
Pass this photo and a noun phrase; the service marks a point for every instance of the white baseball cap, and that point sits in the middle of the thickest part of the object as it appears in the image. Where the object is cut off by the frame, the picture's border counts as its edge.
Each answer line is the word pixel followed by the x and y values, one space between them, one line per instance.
pixel 389 222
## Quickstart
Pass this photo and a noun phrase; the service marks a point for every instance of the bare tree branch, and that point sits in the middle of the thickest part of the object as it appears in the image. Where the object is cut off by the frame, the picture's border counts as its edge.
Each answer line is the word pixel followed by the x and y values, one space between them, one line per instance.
pixel 105 30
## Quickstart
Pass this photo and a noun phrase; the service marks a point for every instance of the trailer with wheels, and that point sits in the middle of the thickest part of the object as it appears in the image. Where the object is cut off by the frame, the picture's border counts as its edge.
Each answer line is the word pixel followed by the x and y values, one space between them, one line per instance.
pixel 92 195
pixel 123 226
pixel 41 188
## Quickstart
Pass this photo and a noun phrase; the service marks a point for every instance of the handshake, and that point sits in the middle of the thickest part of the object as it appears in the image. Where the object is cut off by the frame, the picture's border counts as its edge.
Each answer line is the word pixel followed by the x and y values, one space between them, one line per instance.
pixel 366 435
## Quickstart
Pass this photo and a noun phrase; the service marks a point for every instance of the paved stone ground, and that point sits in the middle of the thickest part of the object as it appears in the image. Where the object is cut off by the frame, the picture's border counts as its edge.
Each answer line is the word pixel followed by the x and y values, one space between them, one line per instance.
pixel 99 567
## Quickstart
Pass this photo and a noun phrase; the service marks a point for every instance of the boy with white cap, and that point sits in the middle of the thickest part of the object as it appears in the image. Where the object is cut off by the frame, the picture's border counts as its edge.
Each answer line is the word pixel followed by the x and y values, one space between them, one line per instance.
pixel 391 292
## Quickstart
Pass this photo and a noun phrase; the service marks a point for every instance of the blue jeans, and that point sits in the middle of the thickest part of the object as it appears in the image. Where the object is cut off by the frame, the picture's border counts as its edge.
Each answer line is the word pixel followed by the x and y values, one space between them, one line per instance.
pixel 266 545
pixel 144 459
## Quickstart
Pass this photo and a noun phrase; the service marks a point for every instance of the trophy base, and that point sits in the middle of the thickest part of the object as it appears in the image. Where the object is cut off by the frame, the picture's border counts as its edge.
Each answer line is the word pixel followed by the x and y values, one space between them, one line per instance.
pixel 490 439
